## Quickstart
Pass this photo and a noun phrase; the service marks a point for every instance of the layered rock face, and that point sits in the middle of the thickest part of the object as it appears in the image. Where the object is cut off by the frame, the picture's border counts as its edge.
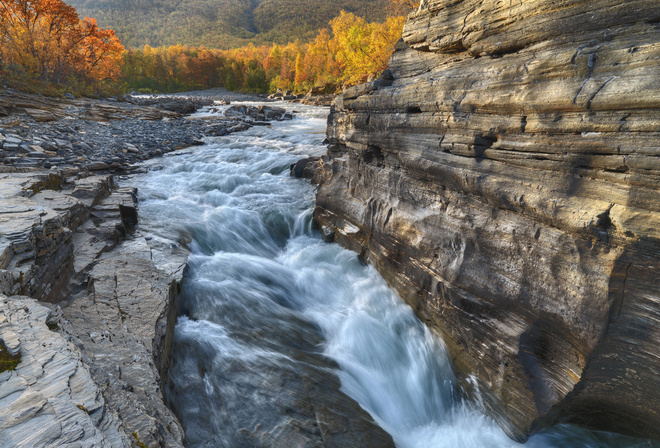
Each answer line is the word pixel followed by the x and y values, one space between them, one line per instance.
pixel 50 399
pixel 503 176
pixel 89 370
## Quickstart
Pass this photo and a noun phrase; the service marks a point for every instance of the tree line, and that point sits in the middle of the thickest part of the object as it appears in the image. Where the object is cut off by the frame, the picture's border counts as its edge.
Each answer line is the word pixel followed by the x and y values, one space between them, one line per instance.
pixel 45 43
pixel 349 53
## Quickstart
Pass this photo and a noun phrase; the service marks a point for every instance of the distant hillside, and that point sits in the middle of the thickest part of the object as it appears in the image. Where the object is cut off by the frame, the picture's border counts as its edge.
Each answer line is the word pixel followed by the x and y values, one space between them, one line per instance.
pixel 220 23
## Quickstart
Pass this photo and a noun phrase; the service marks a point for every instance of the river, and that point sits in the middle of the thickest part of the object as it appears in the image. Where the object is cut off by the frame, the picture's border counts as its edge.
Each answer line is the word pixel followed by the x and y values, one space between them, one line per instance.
pixel 263 289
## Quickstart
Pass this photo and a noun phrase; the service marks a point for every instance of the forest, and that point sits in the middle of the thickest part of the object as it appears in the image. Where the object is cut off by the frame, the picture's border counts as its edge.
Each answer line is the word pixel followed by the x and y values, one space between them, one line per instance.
pixel 351 52
pixel 222 24
pixel 45 46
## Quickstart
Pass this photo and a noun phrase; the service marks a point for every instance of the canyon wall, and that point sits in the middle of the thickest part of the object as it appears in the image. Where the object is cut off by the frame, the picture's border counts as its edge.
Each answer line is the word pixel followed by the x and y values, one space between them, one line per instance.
pixel 503 175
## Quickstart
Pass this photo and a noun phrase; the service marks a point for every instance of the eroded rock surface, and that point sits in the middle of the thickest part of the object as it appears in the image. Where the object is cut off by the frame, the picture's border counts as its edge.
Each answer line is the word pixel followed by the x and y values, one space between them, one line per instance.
pixel 50 399
pixel 119 323
pixel 71 240
pixel 503 176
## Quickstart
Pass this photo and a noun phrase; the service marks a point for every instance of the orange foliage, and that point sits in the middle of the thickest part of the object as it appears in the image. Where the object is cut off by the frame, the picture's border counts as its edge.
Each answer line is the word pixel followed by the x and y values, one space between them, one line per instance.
pixel 48 41
pixel 352 52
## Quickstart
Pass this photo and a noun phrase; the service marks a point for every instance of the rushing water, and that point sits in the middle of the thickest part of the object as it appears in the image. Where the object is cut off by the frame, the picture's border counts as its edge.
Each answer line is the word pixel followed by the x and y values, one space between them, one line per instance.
pixel 261 280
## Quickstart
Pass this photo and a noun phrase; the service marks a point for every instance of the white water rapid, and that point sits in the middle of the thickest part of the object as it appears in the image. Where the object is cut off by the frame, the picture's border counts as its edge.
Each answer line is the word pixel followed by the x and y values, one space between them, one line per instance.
pixel 263 288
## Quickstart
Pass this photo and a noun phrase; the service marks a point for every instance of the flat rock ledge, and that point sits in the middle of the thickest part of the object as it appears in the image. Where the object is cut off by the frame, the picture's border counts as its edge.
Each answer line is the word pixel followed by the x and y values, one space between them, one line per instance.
pixel 50 399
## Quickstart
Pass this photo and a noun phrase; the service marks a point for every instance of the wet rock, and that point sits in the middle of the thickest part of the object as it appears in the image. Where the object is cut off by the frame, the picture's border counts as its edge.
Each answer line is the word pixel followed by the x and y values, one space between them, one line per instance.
pixel 263 113
pixel 305 168
pixel 182 106
pixel 504 180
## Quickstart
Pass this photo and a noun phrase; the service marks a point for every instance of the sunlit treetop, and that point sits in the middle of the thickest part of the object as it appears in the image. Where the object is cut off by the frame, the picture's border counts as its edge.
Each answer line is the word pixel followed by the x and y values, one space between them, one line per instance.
pixel 47 40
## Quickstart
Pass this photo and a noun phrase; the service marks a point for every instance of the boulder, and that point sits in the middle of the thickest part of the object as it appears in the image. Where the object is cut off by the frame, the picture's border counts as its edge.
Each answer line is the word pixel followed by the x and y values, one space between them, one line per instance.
pixel 305 168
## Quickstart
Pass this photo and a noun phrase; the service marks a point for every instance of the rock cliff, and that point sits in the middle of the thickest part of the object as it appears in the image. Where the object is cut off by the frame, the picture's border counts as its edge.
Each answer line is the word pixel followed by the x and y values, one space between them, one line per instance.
pixel 503 176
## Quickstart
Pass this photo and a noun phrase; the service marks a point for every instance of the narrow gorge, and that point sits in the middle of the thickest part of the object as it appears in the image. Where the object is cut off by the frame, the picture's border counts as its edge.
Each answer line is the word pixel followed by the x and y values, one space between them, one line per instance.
pixel 475 262
pixel 503 177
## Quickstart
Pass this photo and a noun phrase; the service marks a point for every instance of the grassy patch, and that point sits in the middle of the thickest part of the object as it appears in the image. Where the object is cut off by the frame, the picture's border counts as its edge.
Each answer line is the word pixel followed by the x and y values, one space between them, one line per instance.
pixel 52 182
pixel 140 444
pixel 7 361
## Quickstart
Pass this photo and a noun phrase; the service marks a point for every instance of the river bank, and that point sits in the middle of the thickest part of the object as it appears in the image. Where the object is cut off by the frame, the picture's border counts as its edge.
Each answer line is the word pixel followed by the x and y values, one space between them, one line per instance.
pixel 88 302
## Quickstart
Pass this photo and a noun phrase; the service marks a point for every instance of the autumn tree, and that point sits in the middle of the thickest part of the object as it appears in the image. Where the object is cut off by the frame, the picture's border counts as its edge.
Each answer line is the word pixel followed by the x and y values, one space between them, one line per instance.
pixel 364 49
pixel 47 40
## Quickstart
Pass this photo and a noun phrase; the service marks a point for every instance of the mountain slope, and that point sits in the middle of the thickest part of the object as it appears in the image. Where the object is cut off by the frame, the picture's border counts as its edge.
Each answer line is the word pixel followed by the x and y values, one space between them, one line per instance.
pixel 220 23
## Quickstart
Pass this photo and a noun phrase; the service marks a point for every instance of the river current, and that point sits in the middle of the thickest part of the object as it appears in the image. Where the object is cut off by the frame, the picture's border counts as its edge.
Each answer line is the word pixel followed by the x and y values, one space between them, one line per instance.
pixel 261 280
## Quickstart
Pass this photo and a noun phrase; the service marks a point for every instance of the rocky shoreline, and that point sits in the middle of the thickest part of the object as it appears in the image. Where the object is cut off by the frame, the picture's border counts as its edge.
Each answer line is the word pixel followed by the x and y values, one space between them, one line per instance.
pixel 87 302
pixel 96 135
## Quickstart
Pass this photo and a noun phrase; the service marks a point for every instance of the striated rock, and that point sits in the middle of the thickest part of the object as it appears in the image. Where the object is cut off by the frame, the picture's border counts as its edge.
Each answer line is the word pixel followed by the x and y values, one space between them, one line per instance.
pixel 49 399
pixel 59 235
pixel 36 223
pixel 503 177
pixel 103 112
pixel 41 115
pixel 39 107
pixel 123 321
pixel 120 325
